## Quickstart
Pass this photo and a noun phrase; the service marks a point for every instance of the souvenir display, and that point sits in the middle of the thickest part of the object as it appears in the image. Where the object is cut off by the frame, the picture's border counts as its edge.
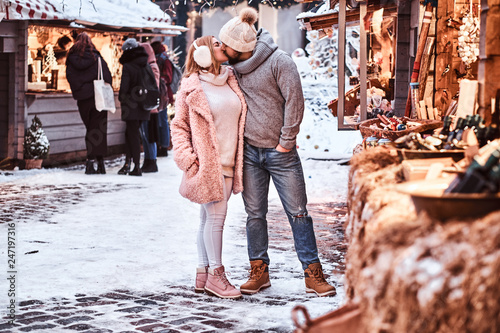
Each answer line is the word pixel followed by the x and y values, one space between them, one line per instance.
pixel 47 49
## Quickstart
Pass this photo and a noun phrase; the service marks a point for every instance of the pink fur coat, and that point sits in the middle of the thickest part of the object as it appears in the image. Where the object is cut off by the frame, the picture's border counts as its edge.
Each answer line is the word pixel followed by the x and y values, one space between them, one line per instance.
pixel 194 139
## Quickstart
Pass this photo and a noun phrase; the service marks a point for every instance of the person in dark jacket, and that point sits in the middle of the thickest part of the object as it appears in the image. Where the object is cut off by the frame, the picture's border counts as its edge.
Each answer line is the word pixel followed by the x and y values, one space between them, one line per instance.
pixel 166 68
pixel 81 71
pixel 133 59
pixel 149 130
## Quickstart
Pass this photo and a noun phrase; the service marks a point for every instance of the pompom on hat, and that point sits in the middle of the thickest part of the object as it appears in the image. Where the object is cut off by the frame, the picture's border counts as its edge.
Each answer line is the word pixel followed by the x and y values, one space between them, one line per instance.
pixel 239 33
pixel 130 43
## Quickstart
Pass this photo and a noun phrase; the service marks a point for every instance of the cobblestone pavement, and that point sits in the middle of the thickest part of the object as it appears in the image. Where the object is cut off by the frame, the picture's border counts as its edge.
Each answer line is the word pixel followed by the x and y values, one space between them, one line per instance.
pixel 178 309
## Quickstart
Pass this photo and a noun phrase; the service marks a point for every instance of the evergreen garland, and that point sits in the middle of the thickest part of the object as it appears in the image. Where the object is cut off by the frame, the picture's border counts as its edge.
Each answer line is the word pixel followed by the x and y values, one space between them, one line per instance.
pixel 36 143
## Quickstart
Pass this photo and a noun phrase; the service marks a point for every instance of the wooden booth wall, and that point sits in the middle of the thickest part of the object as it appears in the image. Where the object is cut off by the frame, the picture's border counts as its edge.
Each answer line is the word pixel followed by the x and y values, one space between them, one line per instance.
pixel 64 128
pixel 410 16
pixel 12 76
pixel 446 80
pixel 4 103
pixel 402 61
pixel 441 68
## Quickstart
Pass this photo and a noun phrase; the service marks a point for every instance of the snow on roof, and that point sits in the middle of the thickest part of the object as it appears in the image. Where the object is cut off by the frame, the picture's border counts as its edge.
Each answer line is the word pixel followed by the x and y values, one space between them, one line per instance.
pixel 322 10
pixel 113 13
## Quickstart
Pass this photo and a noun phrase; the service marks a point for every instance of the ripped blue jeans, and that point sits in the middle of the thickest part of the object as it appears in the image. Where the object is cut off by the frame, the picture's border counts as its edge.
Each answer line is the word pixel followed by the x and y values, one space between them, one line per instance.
pixel 285 169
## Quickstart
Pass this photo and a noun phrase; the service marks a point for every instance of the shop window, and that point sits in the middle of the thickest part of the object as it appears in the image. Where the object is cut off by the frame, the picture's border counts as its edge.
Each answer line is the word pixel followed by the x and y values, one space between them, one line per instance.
pixel 47 50
pixel 367 86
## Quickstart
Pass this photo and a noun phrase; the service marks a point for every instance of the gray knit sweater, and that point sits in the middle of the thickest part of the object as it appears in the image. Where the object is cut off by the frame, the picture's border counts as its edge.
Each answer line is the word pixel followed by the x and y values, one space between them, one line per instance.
pixel 271 84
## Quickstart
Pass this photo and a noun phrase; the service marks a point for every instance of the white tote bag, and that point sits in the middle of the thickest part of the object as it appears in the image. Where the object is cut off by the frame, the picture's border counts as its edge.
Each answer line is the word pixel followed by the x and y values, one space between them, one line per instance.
pixel 104 95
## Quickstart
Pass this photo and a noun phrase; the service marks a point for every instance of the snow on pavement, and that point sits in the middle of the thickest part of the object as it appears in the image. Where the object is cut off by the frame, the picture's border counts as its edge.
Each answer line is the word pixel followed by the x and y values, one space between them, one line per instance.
pixel 92 235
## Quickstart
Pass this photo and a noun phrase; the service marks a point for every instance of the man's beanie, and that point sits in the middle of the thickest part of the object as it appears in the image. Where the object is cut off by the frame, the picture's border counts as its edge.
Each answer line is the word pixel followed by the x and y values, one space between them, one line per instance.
pixel 239 33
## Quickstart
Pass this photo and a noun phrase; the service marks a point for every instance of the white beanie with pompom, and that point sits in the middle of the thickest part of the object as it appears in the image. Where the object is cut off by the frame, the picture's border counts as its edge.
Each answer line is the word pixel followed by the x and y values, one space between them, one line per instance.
pixel 239 33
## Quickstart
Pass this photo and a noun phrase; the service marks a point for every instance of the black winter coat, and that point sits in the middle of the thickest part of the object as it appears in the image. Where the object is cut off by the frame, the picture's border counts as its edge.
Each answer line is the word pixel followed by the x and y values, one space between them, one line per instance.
pixel 133 61
pixel 81 71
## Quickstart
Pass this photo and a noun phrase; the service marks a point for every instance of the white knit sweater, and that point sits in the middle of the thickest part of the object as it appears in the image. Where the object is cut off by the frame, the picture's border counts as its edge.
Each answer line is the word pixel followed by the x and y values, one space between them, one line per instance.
pixel 226 110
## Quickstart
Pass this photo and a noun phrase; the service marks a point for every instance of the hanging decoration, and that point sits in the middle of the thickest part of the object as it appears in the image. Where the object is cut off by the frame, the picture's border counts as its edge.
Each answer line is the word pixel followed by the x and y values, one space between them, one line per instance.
pixel 50 61
pixel 114 65
pixel 322 54
pixel 468 39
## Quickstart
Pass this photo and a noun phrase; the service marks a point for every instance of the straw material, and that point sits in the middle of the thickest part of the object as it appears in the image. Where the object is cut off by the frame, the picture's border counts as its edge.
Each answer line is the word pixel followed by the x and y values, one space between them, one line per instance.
pixel 414 274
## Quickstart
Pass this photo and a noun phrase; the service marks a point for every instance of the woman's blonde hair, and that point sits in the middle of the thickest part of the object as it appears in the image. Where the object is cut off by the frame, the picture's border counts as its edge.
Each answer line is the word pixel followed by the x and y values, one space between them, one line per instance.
pixel 192 66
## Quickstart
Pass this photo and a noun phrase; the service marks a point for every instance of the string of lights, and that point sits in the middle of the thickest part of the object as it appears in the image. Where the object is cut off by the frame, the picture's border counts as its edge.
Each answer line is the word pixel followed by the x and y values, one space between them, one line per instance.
pixel 205 4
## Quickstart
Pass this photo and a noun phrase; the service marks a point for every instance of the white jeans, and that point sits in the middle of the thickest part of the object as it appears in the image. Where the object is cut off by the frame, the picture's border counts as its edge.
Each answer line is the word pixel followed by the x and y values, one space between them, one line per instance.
pixel 212 218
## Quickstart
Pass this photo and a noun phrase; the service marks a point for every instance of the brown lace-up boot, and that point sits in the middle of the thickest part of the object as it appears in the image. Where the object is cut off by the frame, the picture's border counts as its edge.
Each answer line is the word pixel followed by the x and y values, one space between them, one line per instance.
pixel 315 281
pixel 259 278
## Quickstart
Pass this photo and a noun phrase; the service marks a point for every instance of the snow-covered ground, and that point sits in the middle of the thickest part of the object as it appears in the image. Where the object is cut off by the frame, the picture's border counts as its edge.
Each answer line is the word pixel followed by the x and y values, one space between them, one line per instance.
pixel 138 234
pixel 110 236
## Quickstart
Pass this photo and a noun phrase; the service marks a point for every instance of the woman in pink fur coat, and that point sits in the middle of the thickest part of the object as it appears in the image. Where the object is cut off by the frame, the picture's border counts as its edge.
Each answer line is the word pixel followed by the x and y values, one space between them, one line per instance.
pixel 207 134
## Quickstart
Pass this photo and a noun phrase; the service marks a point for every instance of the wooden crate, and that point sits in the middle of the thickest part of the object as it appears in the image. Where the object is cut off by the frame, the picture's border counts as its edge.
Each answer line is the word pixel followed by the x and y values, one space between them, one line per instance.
pixel 417 169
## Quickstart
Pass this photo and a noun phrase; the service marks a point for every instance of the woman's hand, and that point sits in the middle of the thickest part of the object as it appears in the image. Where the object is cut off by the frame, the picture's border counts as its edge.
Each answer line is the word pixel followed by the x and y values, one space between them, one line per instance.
pixel 193 169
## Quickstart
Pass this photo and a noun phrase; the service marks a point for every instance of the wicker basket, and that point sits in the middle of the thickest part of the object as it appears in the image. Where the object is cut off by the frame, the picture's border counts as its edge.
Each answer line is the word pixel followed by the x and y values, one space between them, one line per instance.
pixel 367 131
pixel 350 103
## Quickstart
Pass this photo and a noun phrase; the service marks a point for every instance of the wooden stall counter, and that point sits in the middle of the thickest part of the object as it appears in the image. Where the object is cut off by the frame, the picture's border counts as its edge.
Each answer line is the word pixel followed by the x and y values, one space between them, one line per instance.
pixel 64 128
pixel 409 272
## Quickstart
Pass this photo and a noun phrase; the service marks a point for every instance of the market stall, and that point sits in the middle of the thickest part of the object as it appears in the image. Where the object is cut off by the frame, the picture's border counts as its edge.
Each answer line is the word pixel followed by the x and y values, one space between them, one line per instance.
pixel 35 36
pixel 424 191
pixel 425 48
pixel 48 94
pixel 374 69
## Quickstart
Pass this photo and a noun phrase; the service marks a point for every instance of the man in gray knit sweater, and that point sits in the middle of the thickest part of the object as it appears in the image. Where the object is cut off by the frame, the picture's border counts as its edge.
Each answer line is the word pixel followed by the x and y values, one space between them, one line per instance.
pixel 271 85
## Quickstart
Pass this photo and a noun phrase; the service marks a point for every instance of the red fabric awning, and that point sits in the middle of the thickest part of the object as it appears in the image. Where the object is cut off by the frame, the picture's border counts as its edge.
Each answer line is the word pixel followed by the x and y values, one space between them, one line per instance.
pixel 32 10
pixel 115 14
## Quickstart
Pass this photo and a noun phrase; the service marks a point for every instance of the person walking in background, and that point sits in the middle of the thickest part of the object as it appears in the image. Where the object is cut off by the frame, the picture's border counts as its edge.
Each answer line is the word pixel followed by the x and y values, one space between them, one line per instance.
pixel 81 71
pixel 62 47
pixel 149 128
pixel 207 135
pixel 166 71
pixel 271 84
pixel 133 59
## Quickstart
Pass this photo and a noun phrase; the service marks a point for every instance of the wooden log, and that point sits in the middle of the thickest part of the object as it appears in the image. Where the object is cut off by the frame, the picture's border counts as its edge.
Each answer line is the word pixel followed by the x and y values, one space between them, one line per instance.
pixel 437 116
pixel 424 69
pixel 430 111
pixel 445 44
